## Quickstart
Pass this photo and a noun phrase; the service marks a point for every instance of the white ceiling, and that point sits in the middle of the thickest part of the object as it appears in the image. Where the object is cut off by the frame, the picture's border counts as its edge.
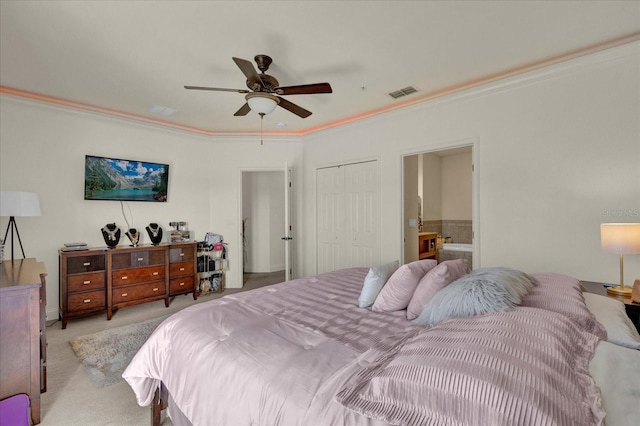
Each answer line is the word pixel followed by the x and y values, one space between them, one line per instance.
pixel 127 56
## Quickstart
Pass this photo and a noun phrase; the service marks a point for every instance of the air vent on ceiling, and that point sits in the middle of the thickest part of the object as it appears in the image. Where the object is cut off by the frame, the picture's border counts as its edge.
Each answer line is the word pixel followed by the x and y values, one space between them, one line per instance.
pixel 162 110
pixel 403 92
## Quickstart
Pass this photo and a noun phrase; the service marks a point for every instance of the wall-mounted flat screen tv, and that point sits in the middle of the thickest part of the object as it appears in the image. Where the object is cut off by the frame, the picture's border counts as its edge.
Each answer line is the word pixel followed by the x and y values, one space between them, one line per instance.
pixel 125 180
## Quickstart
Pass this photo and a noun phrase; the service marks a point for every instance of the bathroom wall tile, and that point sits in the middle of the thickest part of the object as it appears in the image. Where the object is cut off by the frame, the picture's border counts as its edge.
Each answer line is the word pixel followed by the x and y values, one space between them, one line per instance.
pixel 460 231
pixel 432 226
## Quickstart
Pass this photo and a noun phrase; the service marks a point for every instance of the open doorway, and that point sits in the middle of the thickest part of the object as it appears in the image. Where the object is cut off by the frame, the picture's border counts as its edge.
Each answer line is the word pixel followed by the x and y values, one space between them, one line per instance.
pixel 438 200
pixel 263 221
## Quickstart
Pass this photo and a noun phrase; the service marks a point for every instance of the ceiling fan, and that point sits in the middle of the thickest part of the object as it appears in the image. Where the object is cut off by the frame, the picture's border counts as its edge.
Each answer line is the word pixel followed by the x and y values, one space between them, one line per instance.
pixel 264 89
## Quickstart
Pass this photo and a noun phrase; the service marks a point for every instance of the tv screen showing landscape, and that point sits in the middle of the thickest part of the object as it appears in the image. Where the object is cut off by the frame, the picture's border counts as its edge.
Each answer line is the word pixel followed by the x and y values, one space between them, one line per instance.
pixel 124 180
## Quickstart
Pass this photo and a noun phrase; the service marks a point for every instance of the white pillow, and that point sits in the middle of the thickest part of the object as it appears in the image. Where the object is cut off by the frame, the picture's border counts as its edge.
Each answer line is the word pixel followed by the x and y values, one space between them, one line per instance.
pixel 611 314
pixel 479 292
pixel 374 281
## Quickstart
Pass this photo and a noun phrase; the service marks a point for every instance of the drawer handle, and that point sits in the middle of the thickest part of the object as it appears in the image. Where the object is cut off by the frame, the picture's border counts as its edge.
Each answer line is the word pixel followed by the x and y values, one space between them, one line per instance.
pixel 140 259
pixel 155 273
pixel 155 289
pixel 181 254
pixel 87 300
pixel 181 269
pixel 125 294
pixel 181 284
pixel 124 277
pixel 87 282
pixel 86 264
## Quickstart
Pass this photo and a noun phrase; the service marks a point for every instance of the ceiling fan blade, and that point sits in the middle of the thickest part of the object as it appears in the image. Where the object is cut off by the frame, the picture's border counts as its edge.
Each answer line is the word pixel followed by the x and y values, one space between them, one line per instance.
pixel 297 110
pixel 244 110
pixel 216 89
pixel 304 89
pixel 249 71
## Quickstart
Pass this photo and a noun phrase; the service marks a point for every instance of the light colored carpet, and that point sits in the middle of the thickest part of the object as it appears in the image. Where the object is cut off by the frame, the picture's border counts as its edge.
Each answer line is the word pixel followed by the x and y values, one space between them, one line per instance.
pixel 106 354
pixel 72 399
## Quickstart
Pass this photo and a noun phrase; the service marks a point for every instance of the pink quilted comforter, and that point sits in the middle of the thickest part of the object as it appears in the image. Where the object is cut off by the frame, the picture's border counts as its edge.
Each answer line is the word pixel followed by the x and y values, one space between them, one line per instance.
pixel 303 353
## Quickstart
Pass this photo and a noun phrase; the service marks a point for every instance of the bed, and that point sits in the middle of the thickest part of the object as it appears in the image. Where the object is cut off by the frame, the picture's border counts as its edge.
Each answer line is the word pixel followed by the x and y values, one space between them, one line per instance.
pixel 305 352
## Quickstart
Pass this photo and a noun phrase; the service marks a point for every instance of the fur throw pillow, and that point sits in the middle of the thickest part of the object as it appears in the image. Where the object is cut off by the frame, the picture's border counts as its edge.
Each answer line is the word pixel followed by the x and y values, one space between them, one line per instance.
pixel 479 292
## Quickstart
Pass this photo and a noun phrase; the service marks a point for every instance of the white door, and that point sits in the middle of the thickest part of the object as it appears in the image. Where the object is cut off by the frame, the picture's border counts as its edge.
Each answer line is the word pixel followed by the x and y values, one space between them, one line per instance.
pixel 330 218
pixel 347 216
pixel 288 232
pixel 361 203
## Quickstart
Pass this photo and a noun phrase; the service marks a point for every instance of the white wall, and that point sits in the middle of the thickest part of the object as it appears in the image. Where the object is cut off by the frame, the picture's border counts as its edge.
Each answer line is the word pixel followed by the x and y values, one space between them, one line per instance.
pixel 456 187
pixel 42 149
pixel 410 208
pixel 555 151
pixel 431 187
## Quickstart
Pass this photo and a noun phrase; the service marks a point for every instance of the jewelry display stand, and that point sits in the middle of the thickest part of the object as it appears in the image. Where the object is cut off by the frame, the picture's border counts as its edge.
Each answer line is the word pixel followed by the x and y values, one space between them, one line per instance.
pixel 111 234
pixel 134 236
pixel 155 233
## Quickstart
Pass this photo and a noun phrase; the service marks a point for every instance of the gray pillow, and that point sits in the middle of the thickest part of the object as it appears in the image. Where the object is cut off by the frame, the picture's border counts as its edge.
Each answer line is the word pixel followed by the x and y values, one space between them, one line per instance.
pixel 481 291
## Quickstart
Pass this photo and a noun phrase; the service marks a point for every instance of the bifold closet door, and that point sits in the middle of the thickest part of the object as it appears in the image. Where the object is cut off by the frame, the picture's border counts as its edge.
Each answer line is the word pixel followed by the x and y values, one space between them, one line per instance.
pixel 330 218
pixel 348 216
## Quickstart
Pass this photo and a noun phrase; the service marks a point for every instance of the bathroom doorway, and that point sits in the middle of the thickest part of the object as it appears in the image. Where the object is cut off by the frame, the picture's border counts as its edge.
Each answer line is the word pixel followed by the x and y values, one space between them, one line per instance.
pixel 438 198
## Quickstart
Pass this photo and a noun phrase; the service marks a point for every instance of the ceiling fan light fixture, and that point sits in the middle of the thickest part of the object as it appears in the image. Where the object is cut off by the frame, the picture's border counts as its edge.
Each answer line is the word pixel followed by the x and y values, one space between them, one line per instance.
pixel 262 103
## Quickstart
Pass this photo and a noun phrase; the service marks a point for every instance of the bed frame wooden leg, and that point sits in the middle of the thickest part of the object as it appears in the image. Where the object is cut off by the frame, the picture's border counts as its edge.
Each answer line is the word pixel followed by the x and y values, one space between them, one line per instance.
pixel 156 408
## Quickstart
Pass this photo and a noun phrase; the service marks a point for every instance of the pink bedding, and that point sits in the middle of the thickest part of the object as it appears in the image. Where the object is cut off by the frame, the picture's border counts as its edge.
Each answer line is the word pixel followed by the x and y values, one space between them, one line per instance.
pixel 303 353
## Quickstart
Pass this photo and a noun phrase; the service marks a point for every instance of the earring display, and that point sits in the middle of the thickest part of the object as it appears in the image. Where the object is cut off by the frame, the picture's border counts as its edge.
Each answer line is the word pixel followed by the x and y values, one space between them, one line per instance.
pixel 111 234
pixel 155 233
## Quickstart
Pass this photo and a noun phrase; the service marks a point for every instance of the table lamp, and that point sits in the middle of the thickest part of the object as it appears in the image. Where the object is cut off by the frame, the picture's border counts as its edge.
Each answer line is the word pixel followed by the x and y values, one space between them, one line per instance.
pixel 17 204
pixel 621 239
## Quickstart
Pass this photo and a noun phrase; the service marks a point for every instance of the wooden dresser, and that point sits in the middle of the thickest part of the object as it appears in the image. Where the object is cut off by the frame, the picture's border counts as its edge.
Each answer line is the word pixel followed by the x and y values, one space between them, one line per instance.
pixel 23 340
pixel 101 279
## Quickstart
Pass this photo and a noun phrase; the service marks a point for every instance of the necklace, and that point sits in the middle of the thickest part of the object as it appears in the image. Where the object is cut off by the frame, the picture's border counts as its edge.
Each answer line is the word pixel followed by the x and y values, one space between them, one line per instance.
pixel 154 229
pixel 111 233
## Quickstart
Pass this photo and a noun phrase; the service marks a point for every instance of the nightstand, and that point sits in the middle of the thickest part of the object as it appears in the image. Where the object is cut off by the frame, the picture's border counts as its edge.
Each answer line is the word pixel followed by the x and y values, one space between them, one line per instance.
pixel 632 308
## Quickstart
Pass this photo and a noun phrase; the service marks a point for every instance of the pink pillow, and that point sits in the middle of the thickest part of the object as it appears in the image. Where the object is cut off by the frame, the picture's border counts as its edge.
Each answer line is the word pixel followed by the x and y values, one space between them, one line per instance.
pixel 435 280
pixel 397 292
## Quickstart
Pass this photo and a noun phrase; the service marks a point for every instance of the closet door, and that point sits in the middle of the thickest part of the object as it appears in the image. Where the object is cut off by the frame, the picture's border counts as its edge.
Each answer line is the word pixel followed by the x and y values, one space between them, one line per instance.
pixel 361 203
pixel 330 218
pixel 347 216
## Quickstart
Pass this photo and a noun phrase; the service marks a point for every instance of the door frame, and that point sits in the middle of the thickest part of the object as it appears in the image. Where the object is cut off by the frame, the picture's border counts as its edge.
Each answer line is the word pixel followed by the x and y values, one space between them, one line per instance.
pixel 475 189
pixel 240 252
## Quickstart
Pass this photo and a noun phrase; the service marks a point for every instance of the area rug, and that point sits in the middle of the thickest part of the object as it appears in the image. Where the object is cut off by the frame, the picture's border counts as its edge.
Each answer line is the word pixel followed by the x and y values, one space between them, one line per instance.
pixel 106 354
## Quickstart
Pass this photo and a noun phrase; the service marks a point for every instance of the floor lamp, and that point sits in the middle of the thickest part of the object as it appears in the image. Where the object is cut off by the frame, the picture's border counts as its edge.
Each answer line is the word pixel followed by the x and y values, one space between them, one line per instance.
pixel 621 239
pixel 17 204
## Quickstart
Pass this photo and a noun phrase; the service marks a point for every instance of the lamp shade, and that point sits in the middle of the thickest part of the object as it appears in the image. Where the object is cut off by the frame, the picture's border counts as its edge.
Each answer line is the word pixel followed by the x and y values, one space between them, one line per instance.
pixel 18 203
pixel 262 103
pixel 620 238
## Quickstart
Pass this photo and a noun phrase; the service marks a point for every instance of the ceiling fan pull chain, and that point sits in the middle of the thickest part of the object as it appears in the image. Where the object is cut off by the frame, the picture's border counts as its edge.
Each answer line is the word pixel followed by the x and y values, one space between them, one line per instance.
pixel 261 118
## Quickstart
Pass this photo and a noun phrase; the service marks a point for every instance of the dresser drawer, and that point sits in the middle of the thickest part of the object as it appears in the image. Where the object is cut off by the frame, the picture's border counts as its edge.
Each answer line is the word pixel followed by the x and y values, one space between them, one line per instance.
pixel 182 268
pixel 137 258
pixel 138 275
pixel 181 254
pixel 84 282
pixel 182 284
pixel 89 301
pixel 80 264
pixel 137 292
